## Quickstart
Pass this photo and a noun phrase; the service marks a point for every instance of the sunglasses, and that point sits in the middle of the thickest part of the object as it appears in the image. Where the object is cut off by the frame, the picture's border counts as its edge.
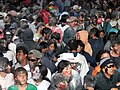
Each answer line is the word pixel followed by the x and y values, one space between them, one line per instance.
pixel 110 66
pixel 32 60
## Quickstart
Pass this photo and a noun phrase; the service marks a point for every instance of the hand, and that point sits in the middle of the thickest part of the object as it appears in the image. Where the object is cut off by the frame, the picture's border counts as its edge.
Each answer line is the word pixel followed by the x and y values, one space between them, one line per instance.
pixel 90 88
pixel 118 84
pixel 114 89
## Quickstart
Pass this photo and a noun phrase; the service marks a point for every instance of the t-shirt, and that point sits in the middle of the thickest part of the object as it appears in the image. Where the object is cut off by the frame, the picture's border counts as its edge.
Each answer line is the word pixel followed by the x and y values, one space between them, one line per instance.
pixel 44 85
pixel 29 87
pixel 7 81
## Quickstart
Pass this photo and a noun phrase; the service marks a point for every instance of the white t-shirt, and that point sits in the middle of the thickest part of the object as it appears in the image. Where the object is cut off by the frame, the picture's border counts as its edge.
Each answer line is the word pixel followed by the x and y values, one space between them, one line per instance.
pixel 44 85
pixel 7 81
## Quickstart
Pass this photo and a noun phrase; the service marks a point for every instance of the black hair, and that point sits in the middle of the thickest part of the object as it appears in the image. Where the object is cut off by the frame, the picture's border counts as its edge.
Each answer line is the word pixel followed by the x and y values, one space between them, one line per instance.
pixel 2 47
pixel 23 48
pixel 39 19
pixel 46 30
pixel 72 44
pixel 43 71
pixel 62 64
pixel 52 41
pixel 100 53
pixel 79 42
pixel 55 36
pixel 10 17
pixel 94 31
pixel 64 18
pixel 111 35
pixel 114 41
pixel 3 63
pixel 89 80
pixel 102 31
pixel 41 45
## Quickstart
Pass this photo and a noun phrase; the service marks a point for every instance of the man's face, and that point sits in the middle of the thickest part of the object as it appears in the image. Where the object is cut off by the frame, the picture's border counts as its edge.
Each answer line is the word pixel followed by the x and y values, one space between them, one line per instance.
pixel 109 69
pixel 21 78
pixel 32 60
pixel 116 48
pixel 20 55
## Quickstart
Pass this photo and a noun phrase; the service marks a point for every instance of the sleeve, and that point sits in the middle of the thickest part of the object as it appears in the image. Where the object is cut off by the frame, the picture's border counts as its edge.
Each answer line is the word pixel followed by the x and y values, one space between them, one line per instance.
pixel 13 87
pixel 31 87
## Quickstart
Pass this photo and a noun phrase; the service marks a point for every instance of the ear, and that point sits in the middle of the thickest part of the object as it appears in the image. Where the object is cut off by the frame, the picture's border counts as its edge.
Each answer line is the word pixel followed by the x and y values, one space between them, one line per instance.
pixel 15 78
pixel 85 85
pixel 26 55
pixel 111 48
pixel 39 60
pixel 103 69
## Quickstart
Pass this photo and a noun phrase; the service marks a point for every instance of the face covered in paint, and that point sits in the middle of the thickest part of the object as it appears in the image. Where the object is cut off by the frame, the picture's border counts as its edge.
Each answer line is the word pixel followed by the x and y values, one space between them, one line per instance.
pixel 36 74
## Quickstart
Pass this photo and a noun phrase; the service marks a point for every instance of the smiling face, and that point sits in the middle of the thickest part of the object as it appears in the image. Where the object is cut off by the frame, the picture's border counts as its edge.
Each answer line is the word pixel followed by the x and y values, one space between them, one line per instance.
pixel 109 70
pixel 20 55
pixel 21 78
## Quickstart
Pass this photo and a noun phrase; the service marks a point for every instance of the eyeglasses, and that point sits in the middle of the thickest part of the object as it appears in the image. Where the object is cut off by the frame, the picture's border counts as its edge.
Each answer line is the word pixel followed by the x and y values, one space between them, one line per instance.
pixel 110 66
pixel 32 60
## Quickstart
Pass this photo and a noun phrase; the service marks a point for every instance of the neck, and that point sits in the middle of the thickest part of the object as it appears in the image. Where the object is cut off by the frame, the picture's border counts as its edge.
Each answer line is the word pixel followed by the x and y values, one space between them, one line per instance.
pixel 74 51
pixel 22 86
pixel 37 82
pixel 23 62
pixel 107 75
pixel 94 37
pixel 3 74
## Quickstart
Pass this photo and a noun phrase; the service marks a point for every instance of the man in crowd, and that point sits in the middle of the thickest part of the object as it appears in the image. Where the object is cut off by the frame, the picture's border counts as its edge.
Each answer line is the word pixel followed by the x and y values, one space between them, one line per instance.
pixel 108 78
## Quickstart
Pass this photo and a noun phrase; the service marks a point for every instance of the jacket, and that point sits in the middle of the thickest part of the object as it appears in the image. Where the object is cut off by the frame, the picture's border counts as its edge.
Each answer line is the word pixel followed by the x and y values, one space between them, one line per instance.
pixel 103 83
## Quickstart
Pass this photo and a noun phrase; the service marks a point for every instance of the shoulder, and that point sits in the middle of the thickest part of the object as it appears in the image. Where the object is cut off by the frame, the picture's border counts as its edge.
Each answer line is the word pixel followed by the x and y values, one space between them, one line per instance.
pixel 31 87
pixel 13 87
pixel 99 75
pixel 31 81
pixel 9 76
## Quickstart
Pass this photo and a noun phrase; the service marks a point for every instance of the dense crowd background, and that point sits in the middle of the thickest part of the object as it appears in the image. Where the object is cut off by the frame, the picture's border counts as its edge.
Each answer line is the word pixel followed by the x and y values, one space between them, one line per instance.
pixel 60 45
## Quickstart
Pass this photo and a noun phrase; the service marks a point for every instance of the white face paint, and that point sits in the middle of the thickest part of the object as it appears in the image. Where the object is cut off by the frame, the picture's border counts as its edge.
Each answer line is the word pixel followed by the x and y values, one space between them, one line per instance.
pixel 36 73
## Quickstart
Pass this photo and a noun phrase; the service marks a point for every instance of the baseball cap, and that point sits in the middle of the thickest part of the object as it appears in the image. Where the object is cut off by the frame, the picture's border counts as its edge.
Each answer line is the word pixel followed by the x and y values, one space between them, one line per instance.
pixel 36 53
pixel 105 61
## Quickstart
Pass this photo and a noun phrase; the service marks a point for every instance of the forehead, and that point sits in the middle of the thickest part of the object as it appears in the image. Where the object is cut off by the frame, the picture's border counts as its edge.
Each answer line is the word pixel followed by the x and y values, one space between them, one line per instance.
pixel 109 64
pixel 31 55
pixel 21 73
pixel 20 51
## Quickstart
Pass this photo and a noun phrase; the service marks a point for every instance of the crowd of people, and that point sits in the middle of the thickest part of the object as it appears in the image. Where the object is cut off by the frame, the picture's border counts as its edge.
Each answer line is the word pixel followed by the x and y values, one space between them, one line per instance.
pixel 60 45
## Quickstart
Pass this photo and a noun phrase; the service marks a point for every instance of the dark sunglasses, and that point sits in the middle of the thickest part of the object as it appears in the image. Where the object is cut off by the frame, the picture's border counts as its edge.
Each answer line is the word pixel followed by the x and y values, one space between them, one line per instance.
pixel 32 60
pixel 110 66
